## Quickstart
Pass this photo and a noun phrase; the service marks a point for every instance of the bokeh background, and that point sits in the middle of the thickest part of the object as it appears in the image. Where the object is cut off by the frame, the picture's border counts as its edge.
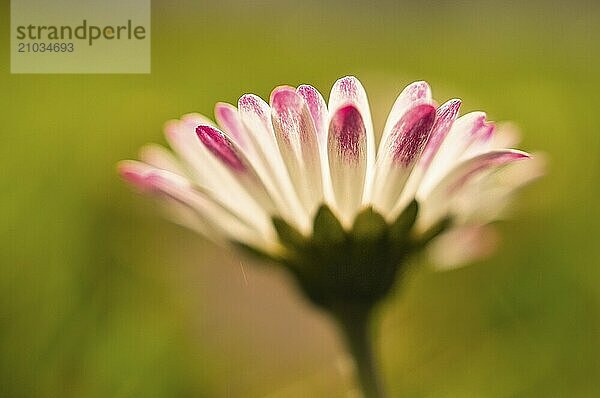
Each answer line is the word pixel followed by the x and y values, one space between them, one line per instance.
pixel 101 297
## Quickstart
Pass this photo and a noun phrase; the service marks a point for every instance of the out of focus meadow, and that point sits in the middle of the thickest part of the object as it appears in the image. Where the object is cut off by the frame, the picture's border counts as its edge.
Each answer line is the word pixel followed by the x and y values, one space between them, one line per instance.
pixel 101 297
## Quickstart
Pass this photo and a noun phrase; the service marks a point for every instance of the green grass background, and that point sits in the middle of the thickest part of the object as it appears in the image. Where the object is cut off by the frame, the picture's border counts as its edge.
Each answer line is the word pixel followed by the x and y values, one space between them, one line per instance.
pixel 100 297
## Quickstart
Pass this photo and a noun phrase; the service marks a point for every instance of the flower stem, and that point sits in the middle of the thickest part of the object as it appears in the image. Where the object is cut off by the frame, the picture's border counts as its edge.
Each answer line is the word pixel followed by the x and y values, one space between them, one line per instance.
pixel 354 322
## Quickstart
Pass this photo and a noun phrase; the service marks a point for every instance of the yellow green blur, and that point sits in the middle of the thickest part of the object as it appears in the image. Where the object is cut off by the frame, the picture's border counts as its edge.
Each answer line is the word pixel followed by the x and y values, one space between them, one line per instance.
pixel 101 297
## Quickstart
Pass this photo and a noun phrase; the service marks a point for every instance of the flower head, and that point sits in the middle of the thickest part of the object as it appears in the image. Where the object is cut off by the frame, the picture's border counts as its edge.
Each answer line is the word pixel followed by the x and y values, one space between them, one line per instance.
pixel 299 181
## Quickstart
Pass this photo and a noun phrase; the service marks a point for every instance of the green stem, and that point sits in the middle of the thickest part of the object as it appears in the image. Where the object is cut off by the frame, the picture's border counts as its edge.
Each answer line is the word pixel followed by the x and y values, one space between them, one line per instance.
pixel 354 322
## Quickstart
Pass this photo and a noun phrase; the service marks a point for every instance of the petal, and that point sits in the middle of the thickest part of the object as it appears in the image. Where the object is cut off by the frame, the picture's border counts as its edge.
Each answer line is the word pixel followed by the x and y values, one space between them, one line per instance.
pixel 143 176
pixel 347 149
pixel 195 157
pixel 506 136
pixel 217 219
pixel 496 190
pixel 134 173
pixel 160 157
pixel 194 119
pixel 256 116
pixel 138 173
pixel 349 91
pixel 498 136
pixel 415 93
pixel 519 174
pixel 444 119
pixel 445 116
pixel 462 245
pixel 229 120
pixel 231 157
pixel 208 172
pixel 470 168
pixel 297 139
pixel 440 201
pixel 399 155
pixel 222 148
pixel 318 110
pixel 465 130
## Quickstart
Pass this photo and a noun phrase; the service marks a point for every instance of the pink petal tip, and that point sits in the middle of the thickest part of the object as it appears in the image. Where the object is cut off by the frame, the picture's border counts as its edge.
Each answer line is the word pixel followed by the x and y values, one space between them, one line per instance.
pixel 221 147
pixel 348 130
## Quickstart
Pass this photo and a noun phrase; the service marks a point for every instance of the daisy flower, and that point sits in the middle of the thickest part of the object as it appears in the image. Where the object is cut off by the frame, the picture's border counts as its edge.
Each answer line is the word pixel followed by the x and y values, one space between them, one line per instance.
pixel 228 180
pixel 299 181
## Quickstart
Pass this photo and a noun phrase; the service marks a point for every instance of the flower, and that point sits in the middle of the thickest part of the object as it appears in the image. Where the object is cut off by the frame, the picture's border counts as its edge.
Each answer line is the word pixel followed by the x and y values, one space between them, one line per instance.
pixel 291 180
pixel 299 182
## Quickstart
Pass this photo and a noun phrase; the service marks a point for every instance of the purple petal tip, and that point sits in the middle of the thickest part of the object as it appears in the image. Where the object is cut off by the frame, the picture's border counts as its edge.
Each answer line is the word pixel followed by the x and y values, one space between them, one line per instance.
pixel 281 90
pixel 285 98
pixel 348 86
pixel 411 133
pixel 220 146
pixel 417 90
pixel 250 102
pixel 348 130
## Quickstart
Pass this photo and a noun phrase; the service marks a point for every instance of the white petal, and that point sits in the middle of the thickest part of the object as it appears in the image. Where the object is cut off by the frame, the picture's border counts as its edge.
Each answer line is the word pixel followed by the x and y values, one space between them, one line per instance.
pixel 347 148
pixel 494 191
pixel 217 217
pixel 232 159
pixel 445 116
pixel 256 116
pixel 318 109
pixel 197 210
pixel 194 118
pixel 349 91
pixel 297 139
pixel 414 93
pixel 399 154
pixel 208 172
pixel 506 135
pixel 135 172
pixel 464 131
pixel 229 121
pixel 460 246
pixel 196 159
pixel 440 201
pixel 160 157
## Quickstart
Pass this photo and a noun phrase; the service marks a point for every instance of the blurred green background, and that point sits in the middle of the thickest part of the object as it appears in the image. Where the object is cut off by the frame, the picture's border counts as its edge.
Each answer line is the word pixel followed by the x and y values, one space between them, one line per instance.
pixel 100 297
